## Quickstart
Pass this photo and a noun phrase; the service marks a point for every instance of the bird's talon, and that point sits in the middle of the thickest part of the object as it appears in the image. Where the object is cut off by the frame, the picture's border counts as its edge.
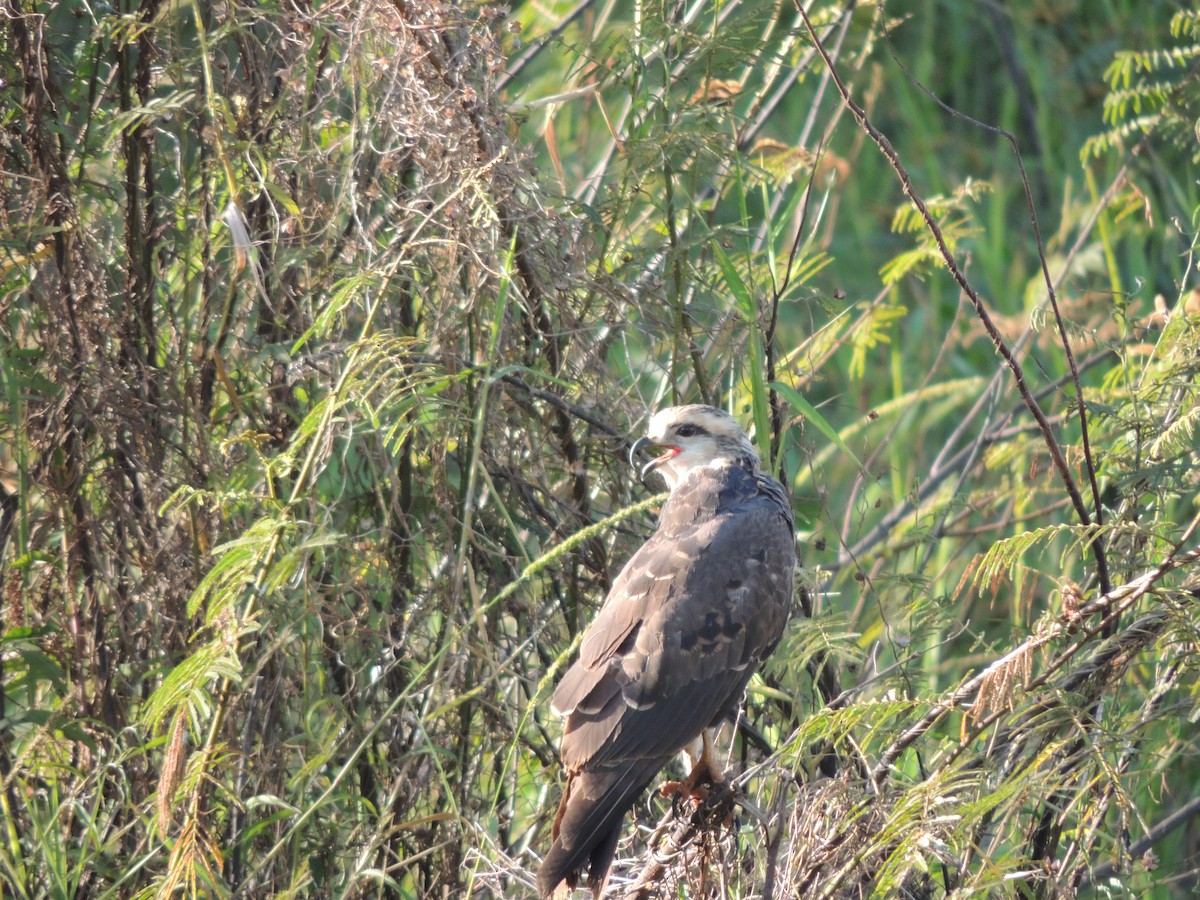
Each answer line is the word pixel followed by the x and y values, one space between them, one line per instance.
pixel 695 789
pixel 671 788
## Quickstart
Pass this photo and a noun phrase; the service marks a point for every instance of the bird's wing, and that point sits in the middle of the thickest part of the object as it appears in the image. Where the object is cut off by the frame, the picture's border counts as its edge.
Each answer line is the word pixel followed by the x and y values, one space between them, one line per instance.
pixel 685 625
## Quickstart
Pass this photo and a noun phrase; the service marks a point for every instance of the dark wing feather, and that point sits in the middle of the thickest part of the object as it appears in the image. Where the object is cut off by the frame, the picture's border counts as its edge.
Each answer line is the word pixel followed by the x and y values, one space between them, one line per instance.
pixel 687 622
pixel 589 823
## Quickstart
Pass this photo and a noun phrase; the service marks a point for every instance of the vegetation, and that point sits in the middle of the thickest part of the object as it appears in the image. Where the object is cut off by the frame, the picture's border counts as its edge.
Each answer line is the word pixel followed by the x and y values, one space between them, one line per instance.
pixel 324 330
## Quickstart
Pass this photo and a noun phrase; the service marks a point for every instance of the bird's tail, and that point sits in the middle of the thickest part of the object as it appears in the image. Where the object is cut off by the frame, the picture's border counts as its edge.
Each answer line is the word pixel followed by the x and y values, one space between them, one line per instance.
pixel 588 824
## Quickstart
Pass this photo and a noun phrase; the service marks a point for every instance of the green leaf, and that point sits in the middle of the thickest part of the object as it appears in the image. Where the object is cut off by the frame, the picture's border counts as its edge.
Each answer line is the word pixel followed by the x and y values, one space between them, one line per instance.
pixel 796 400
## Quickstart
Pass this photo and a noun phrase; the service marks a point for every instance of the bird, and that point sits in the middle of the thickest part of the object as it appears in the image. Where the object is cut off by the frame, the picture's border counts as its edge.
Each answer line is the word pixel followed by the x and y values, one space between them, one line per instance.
pixel 689 619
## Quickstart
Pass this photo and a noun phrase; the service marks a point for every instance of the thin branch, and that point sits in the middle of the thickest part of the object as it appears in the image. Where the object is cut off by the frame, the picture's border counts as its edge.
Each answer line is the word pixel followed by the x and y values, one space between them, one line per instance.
pixel 1185 815
pixel 534 49
pixel 1052 296
pixel 943 470
pixel 981 312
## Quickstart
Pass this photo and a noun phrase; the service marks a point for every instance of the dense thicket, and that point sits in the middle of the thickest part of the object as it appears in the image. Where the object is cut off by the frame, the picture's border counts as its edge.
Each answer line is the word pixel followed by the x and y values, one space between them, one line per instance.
pixel 324 331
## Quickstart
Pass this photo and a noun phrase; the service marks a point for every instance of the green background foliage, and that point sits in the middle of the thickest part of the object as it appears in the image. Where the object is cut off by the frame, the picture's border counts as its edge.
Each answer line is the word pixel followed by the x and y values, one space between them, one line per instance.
pixel 325 330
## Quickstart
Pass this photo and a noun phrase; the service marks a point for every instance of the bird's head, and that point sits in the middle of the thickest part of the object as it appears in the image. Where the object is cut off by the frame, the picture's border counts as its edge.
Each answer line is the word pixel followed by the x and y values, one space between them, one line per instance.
pixel 690 437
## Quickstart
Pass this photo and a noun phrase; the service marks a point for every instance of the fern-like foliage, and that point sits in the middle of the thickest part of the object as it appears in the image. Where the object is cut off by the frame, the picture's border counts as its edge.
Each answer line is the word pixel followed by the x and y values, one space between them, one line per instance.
pixel 1154 91
pixel 954 216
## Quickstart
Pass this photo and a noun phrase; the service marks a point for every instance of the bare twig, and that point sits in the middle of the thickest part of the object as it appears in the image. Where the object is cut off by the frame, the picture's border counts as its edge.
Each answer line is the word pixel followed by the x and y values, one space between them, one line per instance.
pixel 1185 815
pixel 715 810
pixel 1052 296
pixel 944 469
pixel 534 49
pixel 981 312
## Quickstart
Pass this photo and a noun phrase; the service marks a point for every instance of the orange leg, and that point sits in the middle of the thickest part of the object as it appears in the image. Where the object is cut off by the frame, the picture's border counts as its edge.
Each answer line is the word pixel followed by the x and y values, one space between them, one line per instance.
pixel 705 773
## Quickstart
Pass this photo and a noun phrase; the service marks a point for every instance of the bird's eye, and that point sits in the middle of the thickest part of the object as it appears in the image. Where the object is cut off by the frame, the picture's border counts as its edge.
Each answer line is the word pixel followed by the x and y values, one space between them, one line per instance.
pixel 688 430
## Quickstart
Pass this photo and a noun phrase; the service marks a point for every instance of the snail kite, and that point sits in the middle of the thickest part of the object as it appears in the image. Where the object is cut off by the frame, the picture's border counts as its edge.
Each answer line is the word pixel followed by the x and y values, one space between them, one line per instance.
pixel 688 621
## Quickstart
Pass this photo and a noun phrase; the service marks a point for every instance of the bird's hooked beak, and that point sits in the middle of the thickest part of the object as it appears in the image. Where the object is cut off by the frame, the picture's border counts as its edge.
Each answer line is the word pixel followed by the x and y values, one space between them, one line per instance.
pixel 640 446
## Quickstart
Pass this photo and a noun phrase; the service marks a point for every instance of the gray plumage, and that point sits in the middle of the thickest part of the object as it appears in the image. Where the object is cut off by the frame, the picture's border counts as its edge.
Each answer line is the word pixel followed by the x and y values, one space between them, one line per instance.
pixel 688 621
